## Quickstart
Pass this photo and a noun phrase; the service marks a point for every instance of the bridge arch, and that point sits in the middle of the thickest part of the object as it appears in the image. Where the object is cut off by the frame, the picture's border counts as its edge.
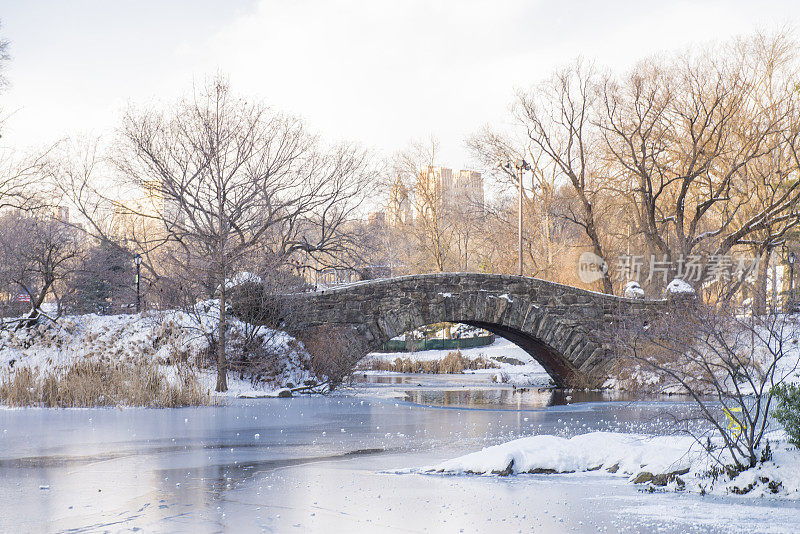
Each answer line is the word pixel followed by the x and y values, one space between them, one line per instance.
pixel 546 338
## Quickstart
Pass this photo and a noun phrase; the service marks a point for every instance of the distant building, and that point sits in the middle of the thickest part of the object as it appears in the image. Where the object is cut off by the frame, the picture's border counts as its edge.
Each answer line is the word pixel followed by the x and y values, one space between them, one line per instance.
pixel 441 190
pixel 158 203
pixel 399 208
pixel 376 218
pixel 468 190
pixel 61 213
pixel 436 181
pixel 433 193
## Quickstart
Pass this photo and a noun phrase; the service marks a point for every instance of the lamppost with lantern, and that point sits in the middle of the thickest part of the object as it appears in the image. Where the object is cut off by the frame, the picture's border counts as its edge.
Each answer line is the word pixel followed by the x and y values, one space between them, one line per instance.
pixel 521 166
pixel 137 259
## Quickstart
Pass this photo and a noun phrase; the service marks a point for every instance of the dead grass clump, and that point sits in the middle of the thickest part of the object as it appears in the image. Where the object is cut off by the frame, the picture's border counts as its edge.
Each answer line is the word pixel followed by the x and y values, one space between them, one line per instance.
pixel 453 363
pixel 20 388
pixel 95 383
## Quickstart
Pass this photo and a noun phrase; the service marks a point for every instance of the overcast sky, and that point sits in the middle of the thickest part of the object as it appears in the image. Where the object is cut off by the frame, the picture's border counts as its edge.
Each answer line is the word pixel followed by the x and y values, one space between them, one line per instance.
pixel 377 72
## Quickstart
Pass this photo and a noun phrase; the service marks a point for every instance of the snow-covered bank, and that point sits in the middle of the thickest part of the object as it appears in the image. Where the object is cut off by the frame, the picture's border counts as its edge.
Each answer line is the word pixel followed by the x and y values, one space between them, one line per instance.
pixel 511 363
pixel 174 341
pixel 674 463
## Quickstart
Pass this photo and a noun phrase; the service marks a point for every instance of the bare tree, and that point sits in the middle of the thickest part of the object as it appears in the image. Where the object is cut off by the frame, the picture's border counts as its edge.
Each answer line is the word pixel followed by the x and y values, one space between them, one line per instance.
pixel 559 117
pixel 5 56
pixel 433 222
pixel 546 207
pixel 726 362
pixel 20 174
pixel 39 253
pixel 223 176
pixel 560 139
pixel 703 147
pixel 683 159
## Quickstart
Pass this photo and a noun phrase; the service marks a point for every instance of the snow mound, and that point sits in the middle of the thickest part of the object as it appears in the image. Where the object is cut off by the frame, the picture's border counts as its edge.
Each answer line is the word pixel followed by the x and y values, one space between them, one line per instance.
pixel 633 290
pixel 679 287
pixel 676 463
pixel 631 453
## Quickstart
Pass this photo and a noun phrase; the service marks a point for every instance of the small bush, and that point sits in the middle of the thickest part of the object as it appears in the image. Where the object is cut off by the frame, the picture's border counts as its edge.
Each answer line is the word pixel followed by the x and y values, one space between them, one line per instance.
pixel 787 410
pixel 454 363
pixel 766 453
pixel 332 352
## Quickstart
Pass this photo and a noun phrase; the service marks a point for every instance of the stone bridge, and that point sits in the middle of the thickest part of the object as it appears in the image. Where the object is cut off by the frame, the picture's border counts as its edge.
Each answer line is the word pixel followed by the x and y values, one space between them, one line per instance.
pixel 564 328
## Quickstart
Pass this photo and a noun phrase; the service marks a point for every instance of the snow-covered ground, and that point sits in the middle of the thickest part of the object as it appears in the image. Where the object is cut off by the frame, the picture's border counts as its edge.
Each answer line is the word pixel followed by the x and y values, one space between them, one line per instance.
pixel 680 461
pixel 168 338
pixel 502 352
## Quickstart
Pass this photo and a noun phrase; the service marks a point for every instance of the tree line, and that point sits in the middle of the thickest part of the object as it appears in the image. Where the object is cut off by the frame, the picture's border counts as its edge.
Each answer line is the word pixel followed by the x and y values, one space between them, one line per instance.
pixel 684 160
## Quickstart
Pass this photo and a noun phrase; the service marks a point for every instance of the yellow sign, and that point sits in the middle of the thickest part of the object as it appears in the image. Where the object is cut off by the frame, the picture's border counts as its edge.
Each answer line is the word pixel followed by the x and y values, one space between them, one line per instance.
pixel 733 424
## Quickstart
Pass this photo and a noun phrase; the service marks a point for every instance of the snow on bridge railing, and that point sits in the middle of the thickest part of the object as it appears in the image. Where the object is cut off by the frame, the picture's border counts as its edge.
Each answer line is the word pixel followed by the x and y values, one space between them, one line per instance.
pixel 388 280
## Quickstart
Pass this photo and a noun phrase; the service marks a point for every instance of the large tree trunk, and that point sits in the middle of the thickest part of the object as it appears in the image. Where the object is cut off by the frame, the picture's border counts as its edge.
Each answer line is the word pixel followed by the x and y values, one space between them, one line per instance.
pixel 591 232
pixel 222 362
pixel 548 241
pixel 36 305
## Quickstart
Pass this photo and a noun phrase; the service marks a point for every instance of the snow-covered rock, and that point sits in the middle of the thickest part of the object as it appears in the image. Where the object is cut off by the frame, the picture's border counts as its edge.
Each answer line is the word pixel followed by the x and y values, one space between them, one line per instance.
pixel 679 287
pixel 633 290
pixel 242 278
pixel 631 453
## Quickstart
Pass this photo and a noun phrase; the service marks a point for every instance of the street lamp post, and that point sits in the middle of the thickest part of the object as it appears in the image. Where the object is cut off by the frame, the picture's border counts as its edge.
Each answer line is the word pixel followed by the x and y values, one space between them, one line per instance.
pixel 521 166
pixel 137 259
pixel 791 257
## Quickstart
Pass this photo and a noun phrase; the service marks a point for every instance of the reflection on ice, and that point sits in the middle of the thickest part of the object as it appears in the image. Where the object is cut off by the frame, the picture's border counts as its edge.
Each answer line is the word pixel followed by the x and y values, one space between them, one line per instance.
pixel 507 398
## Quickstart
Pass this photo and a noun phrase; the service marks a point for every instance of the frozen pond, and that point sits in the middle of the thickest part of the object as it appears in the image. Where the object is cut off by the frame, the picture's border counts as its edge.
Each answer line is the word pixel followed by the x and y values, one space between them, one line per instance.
pixel 322 464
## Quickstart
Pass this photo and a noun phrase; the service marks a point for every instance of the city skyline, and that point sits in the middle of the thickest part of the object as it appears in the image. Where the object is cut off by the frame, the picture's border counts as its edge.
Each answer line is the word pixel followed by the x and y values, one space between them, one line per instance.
pixel 459 191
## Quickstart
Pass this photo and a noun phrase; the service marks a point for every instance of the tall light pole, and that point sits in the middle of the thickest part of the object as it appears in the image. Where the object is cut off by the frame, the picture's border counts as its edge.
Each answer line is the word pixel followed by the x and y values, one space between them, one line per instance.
pixel 791 259
pixel 521 166
pixel 137 259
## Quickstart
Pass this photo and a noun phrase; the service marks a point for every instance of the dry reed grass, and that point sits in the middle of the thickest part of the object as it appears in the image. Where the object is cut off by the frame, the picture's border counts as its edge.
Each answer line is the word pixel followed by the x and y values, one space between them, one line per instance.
pixel 453 363
pixel 95 383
